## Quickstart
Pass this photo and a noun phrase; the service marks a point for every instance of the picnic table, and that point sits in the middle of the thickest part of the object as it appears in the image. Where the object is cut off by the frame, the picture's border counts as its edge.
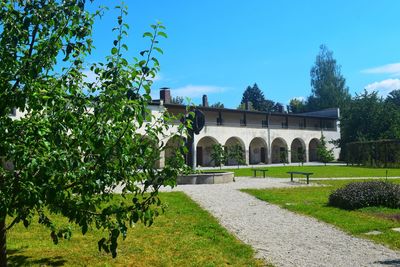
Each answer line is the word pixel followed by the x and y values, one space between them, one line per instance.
pixel 255 170
pixel 307 174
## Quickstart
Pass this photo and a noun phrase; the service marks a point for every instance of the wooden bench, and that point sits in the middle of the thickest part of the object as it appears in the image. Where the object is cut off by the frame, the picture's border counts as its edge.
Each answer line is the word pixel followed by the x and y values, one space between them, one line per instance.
pixel 259 170
pixel 307 174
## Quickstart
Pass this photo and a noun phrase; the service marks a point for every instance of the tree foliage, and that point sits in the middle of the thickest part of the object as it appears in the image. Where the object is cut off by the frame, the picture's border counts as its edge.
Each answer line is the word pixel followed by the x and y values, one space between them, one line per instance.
pixel 325 155
pixel 236 154
pixel 177 100
pixel 257 99
pixel 217 105
pixel 296 106
pixel 328 86
pixel 218 154
pixel 77 140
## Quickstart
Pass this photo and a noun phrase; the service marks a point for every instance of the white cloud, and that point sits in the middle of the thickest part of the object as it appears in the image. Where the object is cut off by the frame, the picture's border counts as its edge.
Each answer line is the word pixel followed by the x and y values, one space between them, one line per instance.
pixel 90 76
pixel 393 69
pixel 384 87
pixel 193 91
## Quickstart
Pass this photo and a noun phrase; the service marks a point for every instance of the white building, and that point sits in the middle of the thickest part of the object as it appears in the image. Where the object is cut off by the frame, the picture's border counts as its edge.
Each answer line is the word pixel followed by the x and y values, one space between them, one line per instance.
pixel 263 136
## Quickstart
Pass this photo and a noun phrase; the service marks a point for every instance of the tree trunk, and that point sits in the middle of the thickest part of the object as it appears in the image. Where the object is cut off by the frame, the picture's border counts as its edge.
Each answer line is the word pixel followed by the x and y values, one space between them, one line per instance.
pixel 3 249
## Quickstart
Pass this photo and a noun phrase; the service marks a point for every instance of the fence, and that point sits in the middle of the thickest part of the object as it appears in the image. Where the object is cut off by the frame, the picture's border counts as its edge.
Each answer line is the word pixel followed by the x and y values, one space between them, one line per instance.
pixel 380 153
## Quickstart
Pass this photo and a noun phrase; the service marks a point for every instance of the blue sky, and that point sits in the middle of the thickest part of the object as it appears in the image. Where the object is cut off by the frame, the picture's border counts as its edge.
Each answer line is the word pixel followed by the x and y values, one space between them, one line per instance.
pixel 220 47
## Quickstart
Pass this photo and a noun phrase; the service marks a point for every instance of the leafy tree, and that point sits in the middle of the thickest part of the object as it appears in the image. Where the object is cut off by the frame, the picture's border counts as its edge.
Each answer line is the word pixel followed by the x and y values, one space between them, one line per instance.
pixel 278 107
pixel 366 119
pixel 329 88
pixel 77 140
pixel 217 105
pixel 236 153
pixel 242 106
pixel 283 154
pixel 296 106
pixel 300 155
pixel 218 154
pixel 177 100
pixel 256 97
pixel 394 98
pixel 324 154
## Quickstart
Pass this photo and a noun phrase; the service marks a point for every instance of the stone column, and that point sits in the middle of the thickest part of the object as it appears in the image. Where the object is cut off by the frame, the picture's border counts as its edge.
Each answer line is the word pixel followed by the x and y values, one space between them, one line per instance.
pixel 307 155
pixel 289 156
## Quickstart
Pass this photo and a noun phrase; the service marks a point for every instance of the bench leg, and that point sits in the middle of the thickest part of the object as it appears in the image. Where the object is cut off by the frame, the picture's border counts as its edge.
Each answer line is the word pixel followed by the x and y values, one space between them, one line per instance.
pixel 264 174
pixel 308 179
pixel 291 177
pixel 255 174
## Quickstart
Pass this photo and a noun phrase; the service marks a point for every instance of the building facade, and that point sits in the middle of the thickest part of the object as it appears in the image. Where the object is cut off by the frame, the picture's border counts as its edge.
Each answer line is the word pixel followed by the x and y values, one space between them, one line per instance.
pixel 264 137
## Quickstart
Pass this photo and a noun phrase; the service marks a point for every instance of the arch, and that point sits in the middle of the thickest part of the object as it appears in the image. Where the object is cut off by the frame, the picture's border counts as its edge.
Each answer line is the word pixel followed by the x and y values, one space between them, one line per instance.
pixel 229 146
pixel 279 151
pixel 204 149
pixel 312 149
pixel 258 151
pixel 298 150
pixel 173 145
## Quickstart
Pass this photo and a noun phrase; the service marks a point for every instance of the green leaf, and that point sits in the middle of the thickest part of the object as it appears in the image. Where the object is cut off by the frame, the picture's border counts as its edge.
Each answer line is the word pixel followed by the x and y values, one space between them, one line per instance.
pixel 114 51
pixel 163 34
pixel 148 34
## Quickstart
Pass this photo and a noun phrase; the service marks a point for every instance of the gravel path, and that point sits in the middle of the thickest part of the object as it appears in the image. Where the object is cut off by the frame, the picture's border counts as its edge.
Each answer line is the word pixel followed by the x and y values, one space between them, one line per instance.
pixel 280 236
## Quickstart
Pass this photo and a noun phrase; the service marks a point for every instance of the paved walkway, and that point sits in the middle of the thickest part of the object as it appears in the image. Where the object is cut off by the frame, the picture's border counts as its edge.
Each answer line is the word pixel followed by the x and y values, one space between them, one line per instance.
pixel 280 236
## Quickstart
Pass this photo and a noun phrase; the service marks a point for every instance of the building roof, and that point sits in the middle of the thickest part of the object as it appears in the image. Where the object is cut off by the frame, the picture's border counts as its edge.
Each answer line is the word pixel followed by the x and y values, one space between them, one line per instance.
pixel 331 113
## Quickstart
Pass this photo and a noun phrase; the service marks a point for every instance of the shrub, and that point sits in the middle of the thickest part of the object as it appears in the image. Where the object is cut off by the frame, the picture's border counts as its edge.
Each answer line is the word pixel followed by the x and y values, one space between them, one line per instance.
pixel 366 194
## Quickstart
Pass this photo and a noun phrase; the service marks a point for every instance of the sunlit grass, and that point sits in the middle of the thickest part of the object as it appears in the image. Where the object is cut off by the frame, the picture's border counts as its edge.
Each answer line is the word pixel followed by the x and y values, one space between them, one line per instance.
pixel 185 235
pixel 312 201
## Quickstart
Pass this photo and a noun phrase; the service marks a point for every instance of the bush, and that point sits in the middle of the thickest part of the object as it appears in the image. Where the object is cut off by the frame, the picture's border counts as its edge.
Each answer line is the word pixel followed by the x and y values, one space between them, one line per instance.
pixel 366 194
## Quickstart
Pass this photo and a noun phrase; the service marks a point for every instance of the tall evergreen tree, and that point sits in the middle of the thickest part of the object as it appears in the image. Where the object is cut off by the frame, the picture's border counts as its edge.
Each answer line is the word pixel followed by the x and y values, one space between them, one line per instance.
pixel 257 99
pixel 328 85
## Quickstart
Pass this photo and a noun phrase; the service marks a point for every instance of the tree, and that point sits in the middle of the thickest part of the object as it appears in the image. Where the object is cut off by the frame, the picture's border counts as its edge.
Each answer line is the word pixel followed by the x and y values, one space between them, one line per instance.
pixel 369 117
pixel 218 154
pixel 77 140
pixel 236 153
pixel 324 154
pixel 296 106
pixel 177 100
pixel 278 107
pixel 300 154
pixel 328 86
pixel 394 98
pixel 256 97
pixel 217 105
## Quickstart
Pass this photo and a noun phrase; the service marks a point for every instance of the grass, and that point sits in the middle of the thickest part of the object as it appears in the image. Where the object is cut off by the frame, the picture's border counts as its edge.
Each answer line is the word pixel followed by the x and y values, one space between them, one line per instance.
pixel 312 201
pixel 321 171
pixel 185 235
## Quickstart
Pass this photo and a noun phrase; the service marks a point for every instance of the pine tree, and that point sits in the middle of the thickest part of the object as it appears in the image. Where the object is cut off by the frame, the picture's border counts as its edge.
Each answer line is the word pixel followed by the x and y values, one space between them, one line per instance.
pixel 328 85
pixel 325 155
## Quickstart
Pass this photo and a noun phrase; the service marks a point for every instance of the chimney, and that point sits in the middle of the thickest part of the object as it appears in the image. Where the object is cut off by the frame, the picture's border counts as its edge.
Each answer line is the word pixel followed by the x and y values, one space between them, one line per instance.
pixel 205 101
pixel 246 105
pixel 165 95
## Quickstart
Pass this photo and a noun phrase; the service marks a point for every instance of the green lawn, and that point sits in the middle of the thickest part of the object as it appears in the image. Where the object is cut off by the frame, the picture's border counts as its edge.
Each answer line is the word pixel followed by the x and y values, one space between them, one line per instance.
pixel 185 235
pixel 321 171
pixel 312 201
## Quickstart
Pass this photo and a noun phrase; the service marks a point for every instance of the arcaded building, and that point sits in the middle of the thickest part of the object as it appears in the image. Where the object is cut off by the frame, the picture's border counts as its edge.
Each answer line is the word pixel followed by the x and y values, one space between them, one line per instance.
pixel 263 136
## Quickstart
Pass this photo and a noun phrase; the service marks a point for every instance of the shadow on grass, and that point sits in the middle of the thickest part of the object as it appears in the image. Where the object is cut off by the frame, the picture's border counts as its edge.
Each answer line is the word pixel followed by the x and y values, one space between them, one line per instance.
pixel 15 257
pixel 389 262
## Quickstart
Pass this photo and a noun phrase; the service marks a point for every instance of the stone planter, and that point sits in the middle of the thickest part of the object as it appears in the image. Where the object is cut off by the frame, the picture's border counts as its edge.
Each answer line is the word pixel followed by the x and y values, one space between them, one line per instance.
pixel 206 178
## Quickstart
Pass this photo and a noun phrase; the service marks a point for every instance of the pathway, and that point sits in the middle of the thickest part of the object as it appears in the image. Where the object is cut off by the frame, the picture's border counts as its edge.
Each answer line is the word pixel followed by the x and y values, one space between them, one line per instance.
pixel 283 237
